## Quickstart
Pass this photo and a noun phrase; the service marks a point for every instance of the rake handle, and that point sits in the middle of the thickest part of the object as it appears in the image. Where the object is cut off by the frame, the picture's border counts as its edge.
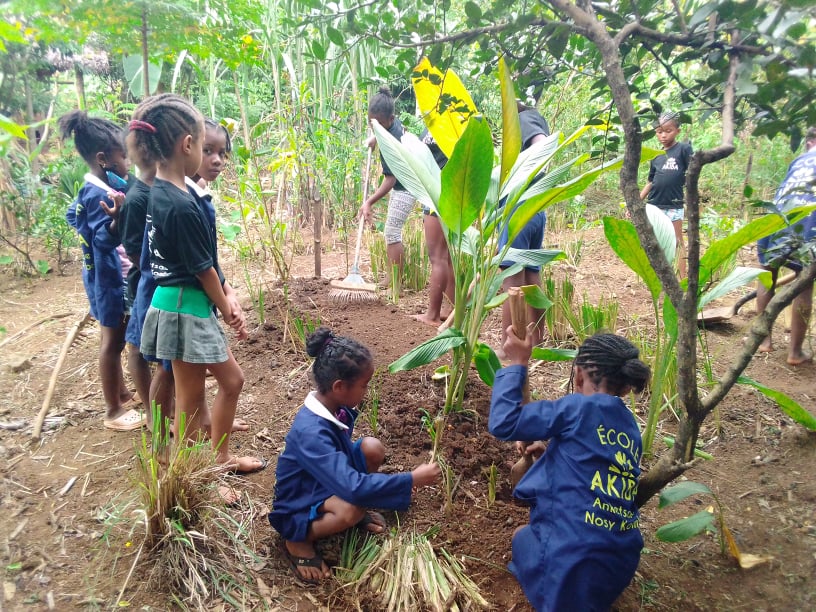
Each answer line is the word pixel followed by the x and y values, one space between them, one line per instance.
pixel 355 268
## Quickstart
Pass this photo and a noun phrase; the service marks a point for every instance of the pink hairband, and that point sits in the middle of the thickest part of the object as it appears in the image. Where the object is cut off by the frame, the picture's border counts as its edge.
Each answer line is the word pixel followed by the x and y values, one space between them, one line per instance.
pixel 144 126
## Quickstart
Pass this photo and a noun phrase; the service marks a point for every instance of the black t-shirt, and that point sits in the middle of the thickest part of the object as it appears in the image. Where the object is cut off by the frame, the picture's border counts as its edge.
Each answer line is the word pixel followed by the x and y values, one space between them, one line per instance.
pixel 439 156
pixel 132 227
pixel 667 174
pixel 532 124
pixel 396 130
pixel 179 237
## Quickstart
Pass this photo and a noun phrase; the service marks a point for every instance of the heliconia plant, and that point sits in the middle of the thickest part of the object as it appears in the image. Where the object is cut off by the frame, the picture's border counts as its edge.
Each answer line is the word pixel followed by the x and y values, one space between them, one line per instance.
pixel 477 200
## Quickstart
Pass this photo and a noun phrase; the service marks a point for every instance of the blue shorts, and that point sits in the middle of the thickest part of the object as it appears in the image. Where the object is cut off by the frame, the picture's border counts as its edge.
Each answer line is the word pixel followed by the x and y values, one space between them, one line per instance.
pixel 674 214
pixel 530 237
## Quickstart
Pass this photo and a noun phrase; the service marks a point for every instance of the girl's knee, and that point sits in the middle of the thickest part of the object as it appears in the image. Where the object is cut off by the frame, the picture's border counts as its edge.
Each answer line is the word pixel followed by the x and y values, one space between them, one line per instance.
pixel 374 453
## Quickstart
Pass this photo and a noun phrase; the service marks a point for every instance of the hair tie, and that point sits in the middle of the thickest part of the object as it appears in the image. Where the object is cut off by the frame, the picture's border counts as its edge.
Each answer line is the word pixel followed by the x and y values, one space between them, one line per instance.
pixel 143 126
pixel 327 342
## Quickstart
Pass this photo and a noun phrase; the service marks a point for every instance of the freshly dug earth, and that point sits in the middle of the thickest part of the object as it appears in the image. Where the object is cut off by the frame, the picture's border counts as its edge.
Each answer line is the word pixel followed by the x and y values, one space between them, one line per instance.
pixel 56 551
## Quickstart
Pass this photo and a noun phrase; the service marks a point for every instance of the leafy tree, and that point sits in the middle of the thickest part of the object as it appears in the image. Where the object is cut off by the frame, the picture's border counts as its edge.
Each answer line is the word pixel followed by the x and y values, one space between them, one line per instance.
pixel 750 62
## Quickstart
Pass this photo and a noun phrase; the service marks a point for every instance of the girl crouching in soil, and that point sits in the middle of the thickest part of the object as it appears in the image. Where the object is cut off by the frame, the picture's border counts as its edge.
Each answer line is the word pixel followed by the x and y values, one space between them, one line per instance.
pixel 582 546
pixel 325 482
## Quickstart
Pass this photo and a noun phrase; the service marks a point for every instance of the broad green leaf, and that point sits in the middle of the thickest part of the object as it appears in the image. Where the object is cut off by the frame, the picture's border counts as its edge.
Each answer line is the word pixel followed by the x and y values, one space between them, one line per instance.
pixel 16 130
pixel 529 257
pixel 681 491
pixel 466 177
pixel 133 68
pixel 529 163
pixel 788 405
pixel 663 231
pixel 42 266
pixel 722 250
pixel 511 128
pixel 486 362
pixel 535 297
pixel 445 104
pixel 623 239
pixel 670 321
pixel 229 231
pixel 335 36
pixel 550 354
pixel 739 277
pixel 687 528
pixel 522 215
pixel 429 350
pixel 412 163
pixel 6 260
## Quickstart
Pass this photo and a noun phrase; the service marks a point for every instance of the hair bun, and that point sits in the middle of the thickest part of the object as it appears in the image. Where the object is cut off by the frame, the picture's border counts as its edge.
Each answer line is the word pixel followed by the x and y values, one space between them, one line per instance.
pixel 317 341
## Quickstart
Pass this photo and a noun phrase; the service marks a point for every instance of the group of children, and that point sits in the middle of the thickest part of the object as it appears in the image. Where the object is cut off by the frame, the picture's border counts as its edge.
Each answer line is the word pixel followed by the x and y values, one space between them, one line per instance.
pixel 166 229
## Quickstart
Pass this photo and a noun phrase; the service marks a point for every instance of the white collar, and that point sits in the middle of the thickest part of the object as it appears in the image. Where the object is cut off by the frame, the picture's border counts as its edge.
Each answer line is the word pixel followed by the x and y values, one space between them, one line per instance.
pixel 198 189
pixel 316 406
pixel 95 180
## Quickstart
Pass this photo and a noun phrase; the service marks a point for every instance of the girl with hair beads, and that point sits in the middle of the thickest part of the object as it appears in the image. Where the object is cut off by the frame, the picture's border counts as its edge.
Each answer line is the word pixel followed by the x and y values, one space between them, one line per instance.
pixel 582 545
pixel 180 324
pixel 100 143
pixel 400 203
pixel 325 482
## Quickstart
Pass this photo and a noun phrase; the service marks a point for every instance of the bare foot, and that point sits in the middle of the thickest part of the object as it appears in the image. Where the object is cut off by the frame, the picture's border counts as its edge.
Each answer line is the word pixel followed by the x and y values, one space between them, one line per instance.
pixel 372 522
pixel 427 320
pixel 766 346
pixel 305 562
pixel 245 465
pixel 228 495
pixel 239 425
pixel 800 358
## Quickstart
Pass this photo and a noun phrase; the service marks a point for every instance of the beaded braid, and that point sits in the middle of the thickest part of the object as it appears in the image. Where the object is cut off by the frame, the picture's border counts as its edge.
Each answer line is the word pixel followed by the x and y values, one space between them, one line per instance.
pixel 91 135
pixel 381 104
pixel 336 358
pixel 614 359
pixel 212 123
pixel 173 117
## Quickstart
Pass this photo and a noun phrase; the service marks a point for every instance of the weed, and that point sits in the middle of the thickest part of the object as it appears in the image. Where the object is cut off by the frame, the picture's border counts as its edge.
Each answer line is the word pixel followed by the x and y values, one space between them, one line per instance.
pixel 492 477
pixel 371 409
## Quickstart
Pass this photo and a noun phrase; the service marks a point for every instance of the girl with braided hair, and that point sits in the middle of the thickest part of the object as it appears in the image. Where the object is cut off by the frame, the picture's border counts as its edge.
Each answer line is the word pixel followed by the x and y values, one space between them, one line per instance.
pixel 325 483
pixel 181 323
pixel 582 545
pixel 100 142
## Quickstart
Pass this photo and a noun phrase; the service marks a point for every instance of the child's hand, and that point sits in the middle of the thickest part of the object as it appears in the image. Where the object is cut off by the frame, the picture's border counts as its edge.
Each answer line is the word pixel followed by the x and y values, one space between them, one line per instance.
pixel 367 212
pixel 425 474
pixel 534 449
pixel 118 199
pixel 518 351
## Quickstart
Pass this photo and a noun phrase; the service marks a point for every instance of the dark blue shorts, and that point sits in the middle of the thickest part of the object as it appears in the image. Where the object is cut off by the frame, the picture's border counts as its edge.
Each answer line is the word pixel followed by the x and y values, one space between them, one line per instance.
pixel 530 237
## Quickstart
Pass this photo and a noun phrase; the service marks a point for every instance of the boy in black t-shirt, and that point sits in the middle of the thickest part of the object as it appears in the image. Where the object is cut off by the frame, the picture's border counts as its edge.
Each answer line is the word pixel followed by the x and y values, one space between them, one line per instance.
pixel 667 177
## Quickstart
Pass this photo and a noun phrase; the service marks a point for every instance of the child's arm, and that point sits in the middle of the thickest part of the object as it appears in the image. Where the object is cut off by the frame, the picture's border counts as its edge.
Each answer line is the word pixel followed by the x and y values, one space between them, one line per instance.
pixel 366 210
pixel 239 318
pixel 426 474
pixel 212 287
pixel 645 191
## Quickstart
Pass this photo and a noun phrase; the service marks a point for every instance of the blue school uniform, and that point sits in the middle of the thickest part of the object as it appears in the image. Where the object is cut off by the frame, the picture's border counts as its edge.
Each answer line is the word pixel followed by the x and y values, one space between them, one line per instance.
pixel 582 546
pixel 102 266
pixel 320 460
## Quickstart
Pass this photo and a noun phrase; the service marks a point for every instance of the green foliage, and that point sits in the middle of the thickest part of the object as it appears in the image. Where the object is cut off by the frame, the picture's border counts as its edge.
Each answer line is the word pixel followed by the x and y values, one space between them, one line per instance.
pixel 785 403
pixel 686 528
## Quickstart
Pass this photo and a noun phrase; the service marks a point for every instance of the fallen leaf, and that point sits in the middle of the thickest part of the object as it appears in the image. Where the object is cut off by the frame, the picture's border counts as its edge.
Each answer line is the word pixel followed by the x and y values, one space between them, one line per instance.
pixel 747 561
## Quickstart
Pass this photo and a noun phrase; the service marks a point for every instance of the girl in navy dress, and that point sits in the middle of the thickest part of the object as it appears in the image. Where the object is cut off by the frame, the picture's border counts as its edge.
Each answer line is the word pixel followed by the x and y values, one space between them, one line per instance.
pixel 101 144
pixel 582 545
pixel 325 482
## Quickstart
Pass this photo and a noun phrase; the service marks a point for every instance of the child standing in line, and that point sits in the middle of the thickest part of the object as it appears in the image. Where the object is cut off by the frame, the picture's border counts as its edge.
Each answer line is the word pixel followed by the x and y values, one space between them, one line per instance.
pixel 100 143
pixel 325 482
pixel 667 179
pixel 217 145
pixel 157 387
pixel 582 545
pixel 180 324
pixel 401 202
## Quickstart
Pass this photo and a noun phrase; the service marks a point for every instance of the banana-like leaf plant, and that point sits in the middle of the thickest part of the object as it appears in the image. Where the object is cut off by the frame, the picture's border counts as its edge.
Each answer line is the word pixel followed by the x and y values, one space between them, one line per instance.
pixel 476 203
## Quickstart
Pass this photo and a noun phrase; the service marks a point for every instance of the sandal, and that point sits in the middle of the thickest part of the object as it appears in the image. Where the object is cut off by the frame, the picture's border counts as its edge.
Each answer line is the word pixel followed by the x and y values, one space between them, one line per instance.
pixel 128 421
pixel 371 521
pixel 296 562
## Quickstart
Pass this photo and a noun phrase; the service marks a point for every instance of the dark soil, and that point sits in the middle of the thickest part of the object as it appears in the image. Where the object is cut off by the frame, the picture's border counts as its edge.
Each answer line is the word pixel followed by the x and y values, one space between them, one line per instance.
pixel 56 555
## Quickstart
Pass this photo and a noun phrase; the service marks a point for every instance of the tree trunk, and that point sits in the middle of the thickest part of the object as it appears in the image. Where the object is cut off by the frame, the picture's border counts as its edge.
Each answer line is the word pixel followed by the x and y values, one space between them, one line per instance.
pixel 79 82
pixel 145 56
pixel 317 207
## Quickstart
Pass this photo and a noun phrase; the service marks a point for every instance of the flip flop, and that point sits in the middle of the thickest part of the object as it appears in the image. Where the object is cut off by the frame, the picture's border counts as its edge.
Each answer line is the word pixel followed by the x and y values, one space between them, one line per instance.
pixel 372 518
pixel 239 472
pixel 127 422
pixel 296 562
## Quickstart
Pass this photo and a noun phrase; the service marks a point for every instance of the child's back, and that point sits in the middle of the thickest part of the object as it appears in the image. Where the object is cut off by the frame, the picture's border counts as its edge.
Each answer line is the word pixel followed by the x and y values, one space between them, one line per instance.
pixel 583 544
